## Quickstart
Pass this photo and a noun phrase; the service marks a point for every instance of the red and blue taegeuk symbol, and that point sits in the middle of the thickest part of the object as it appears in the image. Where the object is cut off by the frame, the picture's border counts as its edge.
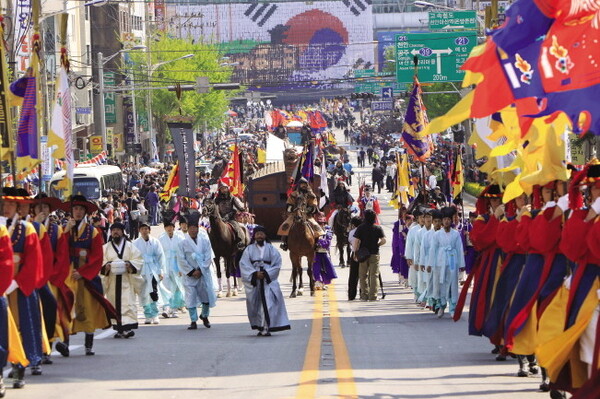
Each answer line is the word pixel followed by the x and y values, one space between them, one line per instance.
pixel 321 36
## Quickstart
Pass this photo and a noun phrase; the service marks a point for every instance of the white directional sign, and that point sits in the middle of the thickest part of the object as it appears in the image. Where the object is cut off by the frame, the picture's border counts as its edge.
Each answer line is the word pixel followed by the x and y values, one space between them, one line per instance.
pixel 387 92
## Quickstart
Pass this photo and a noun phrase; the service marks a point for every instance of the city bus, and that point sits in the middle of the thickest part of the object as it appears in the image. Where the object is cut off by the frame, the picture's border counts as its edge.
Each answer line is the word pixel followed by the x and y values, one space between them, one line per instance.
pixel 92 181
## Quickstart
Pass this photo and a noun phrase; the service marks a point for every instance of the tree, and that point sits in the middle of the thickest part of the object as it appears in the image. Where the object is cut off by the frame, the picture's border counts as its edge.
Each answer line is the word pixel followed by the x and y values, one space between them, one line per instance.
pixel 439 103
pixel 206 109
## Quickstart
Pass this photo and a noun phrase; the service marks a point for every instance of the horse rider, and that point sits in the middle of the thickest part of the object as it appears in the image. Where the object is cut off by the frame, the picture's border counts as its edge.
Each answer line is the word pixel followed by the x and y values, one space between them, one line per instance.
pixel 229 205
pixel 340 198
pixel 301 198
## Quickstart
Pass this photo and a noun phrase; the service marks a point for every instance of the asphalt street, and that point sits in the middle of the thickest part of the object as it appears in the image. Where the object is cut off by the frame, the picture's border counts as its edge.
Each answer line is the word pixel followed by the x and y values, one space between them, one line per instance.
pixel 336 348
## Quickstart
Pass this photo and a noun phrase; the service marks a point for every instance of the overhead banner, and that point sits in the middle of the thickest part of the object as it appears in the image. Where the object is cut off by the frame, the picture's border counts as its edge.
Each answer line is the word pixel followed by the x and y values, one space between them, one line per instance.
pixel 183 139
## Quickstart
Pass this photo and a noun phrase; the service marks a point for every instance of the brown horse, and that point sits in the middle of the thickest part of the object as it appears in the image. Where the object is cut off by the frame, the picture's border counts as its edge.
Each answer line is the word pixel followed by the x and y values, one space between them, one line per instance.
pixel 222 241
pixel 301 243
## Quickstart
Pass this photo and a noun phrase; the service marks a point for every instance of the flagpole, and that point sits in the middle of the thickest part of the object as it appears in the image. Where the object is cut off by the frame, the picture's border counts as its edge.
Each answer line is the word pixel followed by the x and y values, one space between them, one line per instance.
pixel 423 188
pixel 35 66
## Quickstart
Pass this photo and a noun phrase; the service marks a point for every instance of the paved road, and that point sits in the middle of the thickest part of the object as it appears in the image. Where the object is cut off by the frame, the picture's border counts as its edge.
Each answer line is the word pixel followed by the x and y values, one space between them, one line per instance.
pixel 336 348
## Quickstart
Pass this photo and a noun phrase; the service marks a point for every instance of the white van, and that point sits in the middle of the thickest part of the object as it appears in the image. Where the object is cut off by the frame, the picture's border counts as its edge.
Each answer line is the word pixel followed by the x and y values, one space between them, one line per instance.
pixel 91 181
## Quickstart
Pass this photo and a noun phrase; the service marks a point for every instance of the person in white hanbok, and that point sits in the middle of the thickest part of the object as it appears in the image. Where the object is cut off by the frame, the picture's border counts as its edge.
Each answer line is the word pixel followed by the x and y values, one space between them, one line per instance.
pixel 120 273
pixel 153 272
pixel 173 278
pixel 419 268
pixel 409 249
pixel 426 258
pixel 448 260
pixel 194 258
pixel 260 265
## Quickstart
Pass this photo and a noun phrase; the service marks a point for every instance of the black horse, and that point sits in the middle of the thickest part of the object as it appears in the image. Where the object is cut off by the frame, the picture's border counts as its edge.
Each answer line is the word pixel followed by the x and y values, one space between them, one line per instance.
pixel 341 228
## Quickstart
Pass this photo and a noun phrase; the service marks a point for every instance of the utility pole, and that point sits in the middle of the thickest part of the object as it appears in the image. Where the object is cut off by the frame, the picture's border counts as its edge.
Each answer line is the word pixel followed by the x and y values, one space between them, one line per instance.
pixel 101 93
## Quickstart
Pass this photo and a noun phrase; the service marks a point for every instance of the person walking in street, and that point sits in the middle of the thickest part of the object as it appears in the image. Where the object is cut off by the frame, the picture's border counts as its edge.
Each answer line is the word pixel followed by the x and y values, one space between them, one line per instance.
pixel 353 275
pixel 361 158
pixel 133 215
pixel 377 175
pixel 152 274
pixel 195 257
pixel 369 237
pixel 152 202
pixel 260 265
pixel 121 275
pixel 348 167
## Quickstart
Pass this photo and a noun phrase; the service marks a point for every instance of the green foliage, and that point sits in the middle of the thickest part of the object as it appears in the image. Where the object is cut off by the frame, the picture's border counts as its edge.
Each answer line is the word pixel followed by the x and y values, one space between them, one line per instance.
pixel 207 109
pixel 389 54
pixel 439 104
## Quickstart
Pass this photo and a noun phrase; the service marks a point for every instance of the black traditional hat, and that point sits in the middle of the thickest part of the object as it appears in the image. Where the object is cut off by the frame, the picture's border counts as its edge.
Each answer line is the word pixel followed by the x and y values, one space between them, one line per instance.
pixel 448 212
pixel 52 202
pixel 193 219
pixel 436 214
pixel 79 200
pixel 117 225
pixel 13 194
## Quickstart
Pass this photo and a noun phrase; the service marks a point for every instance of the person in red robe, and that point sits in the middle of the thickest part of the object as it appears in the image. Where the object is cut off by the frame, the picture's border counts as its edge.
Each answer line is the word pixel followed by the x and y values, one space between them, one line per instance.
pixel 511 237
pixel 571 353
pixel 28 273
pixel 483 236
pixel 6 275
pixel 57 318
pixel 92 309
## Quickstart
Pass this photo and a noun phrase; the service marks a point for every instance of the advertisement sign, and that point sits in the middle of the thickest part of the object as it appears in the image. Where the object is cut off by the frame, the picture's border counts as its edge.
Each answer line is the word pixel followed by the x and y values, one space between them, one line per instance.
pixel 128 121
pixel 110 103
pixel 96 144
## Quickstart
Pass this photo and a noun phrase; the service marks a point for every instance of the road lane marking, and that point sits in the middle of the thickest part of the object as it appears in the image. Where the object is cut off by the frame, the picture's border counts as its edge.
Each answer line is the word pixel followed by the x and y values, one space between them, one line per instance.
pixel 343 365
pixel 309 377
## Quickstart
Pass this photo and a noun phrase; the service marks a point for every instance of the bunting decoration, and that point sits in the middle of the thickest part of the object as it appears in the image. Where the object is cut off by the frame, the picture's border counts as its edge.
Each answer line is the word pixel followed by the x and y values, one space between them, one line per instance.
pixel 415 120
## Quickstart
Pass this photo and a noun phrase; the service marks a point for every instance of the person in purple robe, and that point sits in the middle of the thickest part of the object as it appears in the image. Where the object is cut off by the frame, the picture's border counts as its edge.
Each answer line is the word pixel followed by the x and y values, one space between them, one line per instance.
pixel 470 253
pixel 398 263
pixel 323 270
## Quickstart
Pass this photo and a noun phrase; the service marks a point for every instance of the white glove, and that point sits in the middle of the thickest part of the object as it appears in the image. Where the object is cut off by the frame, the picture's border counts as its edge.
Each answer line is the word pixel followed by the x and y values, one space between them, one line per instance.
pixel 563 203
pixel 3 220
pixel 596 206
pixel 567 283
pixel 549 204
pixel 13 286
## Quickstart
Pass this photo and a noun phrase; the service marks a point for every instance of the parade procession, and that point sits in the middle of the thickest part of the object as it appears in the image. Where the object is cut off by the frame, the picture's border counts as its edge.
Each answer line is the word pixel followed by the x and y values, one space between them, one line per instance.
pixel 258 200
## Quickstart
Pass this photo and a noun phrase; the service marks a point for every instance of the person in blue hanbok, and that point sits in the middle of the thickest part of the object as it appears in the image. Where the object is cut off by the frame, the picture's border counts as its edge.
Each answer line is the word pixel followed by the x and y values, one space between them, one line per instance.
pixel 418 259
pixel 172 279
pixel 447 260
pixel 152 273
pixel 260 265
pixel 323 270
pixel 194 258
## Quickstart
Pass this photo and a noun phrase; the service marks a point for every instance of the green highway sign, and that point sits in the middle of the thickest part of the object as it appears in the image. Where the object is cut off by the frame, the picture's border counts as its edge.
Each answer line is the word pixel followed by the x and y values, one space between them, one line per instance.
pixel 441 20
pixel 440 55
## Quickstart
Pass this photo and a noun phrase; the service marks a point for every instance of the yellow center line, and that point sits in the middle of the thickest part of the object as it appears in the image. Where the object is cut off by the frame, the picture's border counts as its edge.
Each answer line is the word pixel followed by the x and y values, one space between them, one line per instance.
pixel 310 371
pixel 343 366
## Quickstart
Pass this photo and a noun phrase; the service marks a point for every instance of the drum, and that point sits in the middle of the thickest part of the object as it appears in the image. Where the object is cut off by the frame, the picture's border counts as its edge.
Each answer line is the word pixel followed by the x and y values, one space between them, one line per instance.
pixel 118 267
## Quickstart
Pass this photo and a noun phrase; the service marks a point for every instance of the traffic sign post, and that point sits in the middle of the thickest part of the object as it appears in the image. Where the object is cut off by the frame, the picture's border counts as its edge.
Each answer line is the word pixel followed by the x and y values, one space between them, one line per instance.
pixel 387 92
pixel 440 55
pixel 441 20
